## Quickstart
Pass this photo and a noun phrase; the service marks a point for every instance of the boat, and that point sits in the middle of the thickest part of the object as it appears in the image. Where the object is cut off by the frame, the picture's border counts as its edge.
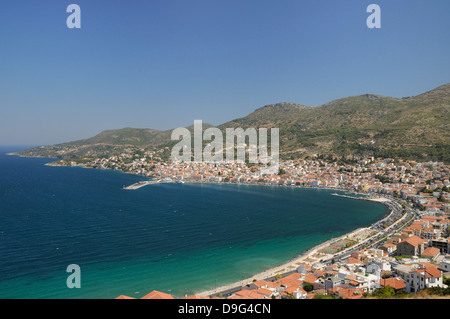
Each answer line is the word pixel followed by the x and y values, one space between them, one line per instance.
pixel 179 181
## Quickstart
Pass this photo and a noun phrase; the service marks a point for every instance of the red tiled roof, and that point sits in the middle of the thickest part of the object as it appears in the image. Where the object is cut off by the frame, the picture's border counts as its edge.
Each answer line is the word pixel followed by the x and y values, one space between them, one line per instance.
pixel 157 295
pixel 124 297
pixel 431 252
pixel 395 283
pixel 352 260
pixel 414 240
pixel 350 293
pixel 260 283
pixel 310 279
pixel 429 271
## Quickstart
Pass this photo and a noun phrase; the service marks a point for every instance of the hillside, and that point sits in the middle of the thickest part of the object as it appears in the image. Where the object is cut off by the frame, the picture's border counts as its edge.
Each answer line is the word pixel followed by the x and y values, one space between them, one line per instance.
pixel 414 127
pixel 352 127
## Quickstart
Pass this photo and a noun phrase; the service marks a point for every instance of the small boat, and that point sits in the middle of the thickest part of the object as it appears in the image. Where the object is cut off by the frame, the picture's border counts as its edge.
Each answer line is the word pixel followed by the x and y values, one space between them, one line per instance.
pixel 179 181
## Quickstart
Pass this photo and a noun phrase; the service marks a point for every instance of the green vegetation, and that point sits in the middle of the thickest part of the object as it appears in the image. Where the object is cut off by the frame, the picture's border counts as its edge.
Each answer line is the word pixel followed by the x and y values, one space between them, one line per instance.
pixel 323 297
pixel 438 291
pixel 398 258
pixel 389 292
pixel 308 287
pixel 383 179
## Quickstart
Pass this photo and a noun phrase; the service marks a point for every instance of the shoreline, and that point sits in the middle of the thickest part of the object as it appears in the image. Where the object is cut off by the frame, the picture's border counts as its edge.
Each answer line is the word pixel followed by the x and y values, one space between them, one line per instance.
pixel 291 265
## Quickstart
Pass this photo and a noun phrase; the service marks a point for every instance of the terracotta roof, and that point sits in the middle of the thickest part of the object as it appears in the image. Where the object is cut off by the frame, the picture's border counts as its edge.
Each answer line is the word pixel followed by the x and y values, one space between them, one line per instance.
pixel 260 283
pixel 414 241
pixel 352 260
pixel 310 279
pixel 431 252
pixel 318 273
pixel 395 283
pixel 291 290
pixel 351 293
pixel 294 275
pixel 124 297
pixel 249 294
pixel 157 295
pixel 333 290
pixel 429 271
pixel 433 271
pixel 288 282
pixel 265 292
pixel 353 283
pixel 273 284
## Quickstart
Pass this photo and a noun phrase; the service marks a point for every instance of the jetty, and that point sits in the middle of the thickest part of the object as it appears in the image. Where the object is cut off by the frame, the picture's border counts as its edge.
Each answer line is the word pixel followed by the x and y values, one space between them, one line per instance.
pixel 140 184
pixel 347 196
pixel 145 183
pixel 374 199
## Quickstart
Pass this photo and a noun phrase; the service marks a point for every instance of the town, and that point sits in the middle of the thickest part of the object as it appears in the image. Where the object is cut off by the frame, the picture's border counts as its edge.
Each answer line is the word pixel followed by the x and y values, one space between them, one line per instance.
pixel 405 253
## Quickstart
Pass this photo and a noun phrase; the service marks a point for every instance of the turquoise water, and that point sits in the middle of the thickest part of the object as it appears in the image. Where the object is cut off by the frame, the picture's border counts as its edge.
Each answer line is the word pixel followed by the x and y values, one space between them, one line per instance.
pixel 176 238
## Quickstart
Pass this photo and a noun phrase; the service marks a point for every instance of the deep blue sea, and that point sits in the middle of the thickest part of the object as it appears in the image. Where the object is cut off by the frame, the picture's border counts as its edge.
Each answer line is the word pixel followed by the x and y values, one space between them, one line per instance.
pixel 176 238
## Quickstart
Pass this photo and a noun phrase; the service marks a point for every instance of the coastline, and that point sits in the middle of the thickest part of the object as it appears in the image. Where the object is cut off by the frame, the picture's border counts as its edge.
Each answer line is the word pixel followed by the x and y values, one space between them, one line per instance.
pixel 308 256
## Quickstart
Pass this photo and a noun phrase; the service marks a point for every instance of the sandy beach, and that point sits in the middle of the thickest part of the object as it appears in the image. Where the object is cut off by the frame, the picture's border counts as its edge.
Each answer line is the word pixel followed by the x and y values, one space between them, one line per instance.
pixel 310 256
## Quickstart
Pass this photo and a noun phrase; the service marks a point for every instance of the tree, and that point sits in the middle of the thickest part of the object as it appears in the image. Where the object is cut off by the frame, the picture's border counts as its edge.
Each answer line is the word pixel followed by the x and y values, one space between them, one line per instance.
pixel 323 297
pixel 446 280
pixel 385 292
pixel 308 287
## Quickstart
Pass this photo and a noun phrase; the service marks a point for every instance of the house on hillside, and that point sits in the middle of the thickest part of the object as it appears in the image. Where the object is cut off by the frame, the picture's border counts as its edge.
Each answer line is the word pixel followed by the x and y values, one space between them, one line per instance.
pixel 396 283
pixel 424 277
pixel 411 246
pixel 431 252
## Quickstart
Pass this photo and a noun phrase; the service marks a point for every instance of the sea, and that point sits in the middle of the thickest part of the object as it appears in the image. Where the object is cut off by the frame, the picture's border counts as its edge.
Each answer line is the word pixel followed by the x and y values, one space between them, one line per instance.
pixel 180 239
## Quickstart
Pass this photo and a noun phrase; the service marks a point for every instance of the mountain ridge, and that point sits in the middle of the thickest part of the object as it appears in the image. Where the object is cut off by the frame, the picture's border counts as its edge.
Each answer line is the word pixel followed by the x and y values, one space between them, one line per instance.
pixel 351 127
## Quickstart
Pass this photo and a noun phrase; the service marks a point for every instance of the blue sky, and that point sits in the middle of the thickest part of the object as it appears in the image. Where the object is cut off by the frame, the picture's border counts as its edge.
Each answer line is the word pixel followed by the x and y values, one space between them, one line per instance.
pixel 163 63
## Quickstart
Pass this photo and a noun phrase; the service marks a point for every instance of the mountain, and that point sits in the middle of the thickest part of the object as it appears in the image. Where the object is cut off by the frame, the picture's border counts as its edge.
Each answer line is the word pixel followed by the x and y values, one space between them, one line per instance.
pixel 108 142
pixel 351 127
pixel 357 126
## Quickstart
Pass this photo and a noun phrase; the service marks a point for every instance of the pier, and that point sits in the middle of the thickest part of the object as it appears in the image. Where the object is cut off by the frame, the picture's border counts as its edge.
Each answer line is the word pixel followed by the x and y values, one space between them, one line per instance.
pixel 347 196
pixel 140 184
pixel 145 183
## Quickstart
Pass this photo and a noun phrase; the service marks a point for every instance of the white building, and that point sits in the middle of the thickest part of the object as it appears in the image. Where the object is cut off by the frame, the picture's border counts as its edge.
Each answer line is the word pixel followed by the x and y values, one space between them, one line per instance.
pixel 425 277
pixel 445 265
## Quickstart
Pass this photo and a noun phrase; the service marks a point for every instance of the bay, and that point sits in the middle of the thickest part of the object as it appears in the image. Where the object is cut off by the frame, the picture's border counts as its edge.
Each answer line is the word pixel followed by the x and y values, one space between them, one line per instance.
pixel 176 238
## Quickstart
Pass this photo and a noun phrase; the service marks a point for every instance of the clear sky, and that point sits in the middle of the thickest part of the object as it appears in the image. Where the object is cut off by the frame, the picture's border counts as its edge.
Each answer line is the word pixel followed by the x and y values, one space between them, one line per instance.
pixel 164 63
